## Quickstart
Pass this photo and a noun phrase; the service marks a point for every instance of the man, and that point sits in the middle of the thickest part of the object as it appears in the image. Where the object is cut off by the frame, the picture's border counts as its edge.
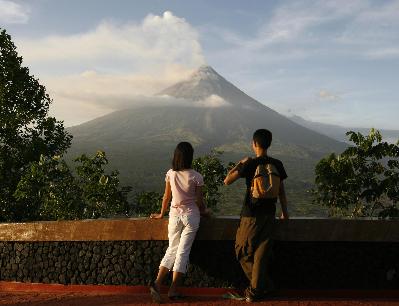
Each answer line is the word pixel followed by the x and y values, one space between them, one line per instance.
pixel 253 239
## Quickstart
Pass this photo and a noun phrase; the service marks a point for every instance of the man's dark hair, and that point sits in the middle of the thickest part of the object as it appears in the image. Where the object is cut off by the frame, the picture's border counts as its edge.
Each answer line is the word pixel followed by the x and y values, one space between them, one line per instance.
pixel 262 138
pixel 183 156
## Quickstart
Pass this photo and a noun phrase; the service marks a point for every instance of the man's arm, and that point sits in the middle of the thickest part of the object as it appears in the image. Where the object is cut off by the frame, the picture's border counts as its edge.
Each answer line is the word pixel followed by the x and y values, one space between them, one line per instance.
pixel 283 201
pixel 233 174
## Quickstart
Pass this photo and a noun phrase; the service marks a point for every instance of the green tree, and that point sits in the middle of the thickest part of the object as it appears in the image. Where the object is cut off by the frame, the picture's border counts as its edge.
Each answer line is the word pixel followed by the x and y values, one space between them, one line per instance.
pixel 363 181
pixel 51 191
pixel 213 171
pixel 26 130
pixel 54 193
pixel 101 193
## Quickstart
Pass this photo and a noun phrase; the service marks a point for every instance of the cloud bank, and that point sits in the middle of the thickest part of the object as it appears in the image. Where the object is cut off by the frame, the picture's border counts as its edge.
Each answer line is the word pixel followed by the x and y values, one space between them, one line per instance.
pixel 115 101
pixel 161 39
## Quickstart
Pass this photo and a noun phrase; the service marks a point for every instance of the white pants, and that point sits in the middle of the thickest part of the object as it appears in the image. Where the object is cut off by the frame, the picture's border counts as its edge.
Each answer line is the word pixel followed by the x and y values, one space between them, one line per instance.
pixel 181 233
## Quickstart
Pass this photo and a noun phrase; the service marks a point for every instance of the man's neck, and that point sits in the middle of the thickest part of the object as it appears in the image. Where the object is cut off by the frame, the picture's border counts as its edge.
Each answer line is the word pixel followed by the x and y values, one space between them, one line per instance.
pixel 261 153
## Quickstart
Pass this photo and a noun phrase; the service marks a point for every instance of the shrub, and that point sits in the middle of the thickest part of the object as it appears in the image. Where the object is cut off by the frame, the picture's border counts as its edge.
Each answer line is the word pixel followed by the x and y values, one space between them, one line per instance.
pixel 363 181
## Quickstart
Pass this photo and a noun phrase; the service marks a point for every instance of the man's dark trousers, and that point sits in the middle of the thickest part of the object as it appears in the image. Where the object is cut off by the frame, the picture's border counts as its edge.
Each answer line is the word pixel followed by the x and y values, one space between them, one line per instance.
pixel 253 250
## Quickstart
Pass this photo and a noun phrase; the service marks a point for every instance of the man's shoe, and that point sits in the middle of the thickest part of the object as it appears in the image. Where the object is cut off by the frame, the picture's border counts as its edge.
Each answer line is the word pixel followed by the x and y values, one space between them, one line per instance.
pixel 251 295
pixel 233 296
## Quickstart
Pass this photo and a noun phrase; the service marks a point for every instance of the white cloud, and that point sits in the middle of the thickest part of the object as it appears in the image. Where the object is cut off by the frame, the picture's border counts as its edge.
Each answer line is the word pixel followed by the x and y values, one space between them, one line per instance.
pixel 12 12
pixel 213 101
pixel 94 84
pixel 158 39
pixel 383 53
pixel 113 63
pixel 111 101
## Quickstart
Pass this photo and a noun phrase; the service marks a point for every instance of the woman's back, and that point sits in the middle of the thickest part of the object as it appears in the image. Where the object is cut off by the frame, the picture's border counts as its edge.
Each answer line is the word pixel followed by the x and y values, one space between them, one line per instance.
pixel 183 185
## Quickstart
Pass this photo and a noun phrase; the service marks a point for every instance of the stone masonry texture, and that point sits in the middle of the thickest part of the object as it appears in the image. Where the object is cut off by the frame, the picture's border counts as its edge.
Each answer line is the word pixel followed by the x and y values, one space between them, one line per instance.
pixel 295 265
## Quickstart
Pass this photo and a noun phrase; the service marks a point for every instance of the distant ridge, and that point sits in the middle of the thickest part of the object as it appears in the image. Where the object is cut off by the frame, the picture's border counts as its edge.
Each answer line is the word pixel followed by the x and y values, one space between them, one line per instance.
pixel 339 132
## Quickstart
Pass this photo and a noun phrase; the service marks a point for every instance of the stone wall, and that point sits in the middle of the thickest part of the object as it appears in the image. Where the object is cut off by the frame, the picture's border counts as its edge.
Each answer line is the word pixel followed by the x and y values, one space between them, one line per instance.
pixel 300 260
pixel 112 262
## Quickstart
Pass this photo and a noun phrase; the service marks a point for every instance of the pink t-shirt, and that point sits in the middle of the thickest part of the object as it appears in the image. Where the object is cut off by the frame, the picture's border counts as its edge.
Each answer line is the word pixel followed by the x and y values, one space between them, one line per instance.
pixel 183 184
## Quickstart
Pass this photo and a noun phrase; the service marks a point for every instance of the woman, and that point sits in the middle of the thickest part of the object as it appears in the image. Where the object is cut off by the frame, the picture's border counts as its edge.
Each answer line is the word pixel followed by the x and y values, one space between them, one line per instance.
pixel 184 187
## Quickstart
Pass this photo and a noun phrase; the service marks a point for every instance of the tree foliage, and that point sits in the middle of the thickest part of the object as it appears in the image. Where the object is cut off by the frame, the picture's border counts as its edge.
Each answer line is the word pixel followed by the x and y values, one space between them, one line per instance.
pixel 100 192
pixel 213 171
pixel 26 130
pixel 363 181
pixel 52 192
pixel 49 191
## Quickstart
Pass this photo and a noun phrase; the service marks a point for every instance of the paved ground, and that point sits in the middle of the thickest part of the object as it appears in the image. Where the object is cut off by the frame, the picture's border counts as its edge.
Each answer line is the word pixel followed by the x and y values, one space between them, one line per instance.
pixel 91 299
pixel 14 293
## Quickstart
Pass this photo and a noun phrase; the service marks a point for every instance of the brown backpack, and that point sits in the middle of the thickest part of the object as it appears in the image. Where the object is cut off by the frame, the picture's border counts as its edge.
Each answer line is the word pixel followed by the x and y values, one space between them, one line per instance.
pixel 266 182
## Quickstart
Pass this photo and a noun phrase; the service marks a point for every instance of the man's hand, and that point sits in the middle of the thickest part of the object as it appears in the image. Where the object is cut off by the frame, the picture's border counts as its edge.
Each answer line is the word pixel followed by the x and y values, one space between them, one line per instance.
pixel 284 217
pixel 244 160
pixel 156 216
pixel 233 174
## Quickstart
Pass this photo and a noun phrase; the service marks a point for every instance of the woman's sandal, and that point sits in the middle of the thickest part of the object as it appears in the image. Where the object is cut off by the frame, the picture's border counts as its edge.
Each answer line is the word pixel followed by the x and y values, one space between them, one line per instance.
pixel 155 294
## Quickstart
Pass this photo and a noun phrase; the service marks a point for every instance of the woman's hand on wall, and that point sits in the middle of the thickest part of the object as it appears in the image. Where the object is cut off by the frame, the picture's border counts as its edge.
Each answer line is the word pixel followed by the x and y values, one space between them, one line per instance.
pixel 156 216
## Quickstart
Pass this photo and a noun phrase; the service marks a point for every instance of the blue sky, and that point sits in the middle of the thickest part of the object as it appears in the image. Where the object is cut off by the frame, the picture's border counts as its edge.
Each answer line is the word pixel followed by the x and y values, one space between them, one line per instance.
pixel 335 62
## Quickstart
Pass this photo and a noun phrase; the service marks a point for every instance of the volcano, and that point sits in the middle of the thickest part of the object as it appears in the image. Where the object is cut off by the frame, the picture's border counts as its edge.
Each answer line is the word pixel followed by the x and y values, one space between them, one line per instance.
pixel 211 113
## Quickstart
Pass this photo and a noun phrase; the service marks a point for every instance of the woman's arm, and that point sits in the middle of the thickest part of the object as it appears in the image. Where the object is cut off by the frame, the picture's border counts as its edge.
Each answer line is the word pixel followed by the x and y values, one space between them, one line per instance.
pixel 283 202
pixel 167 196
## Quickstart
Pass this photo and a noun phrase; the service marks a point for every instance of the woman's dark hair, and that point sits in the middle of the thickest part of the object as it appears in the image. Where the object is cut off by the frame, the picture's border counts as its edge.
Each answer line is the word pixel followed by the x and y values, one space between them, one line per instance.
pixel 263 138
pixel 183 157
